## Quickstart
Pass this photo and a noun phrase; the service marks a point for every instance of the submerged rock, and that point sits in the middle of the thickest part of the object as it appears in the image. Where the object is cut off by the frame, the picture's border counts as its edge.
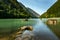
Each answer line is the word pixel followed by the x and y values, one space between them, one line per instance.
pixel 52 21
pixel 25 36
pixel 20 36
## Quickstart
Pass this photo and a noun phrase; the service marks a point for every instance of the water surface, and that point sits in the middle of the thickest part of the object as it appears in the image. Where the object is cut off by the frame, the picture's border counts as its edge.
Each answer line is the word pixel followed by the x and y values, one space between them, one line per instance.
pixel 41 31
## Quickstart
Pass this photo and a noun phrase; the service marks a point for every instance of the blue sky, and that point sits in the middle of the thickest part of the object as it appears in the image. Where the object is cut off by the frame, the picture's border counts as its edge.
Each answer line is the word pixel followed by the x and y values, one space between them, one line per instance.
pixel 39 6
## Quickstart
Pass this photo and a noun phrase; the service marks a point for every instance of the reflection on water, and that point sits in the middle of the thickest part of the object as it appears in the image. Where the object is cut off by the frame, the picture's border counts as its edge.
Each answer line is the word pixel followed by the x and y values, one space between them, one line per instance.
pixel 54 26
pixel 8 26
pixel 41 30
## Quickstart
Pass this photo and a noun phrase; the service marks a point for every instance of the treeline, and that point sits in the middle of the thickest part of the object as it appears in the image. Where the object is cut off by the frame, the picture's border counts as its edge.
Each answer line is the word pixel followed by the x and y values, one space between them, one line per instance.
pixel 54 11
pixel 13 9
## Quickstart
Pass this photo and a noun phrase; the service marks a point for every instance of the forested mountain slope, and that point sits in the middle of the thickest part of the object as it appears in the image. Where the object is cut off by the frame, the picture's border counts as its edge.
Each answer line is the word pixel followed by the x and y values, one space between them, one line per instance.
pixel 54 11
pixel 13 9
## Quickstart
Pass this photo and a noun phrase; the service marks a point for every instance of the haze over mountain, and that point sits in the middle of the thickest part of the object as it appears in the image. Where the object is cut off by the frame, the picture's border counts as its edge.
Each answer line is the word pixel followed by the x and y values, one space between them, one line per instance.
pixel 54 11
pixel 39 6
pixel 33 13
pixel 14 9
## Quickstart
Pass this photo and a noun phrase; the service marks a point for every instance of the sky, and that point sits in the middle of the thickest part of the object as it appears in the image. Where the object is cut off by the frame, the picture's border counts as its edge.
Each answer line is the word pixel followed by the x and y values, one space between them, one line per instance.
pixel 39 6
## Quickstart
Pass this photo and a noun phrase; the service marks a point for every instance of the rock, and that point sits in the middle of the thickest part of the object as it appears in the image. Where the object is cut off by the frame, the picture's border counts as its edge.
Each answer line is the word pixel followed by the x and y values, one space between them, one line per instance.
pixel 52 21
pixel 30 28
pixel 20 36
pixel 25 36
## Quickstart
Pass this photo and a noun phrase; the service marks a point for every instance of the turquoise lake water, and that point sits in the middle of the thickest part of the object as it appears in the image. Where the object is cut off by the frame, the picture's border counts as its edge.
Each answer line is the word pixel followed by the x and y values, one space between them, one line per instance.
pixel 40 29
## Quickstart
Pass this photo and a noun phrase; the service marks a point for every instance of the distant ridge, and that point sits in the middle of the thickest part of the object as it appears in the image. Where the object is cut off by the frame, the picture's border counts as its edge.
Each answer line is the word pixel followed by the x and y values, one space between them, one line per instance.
pixel 33 12
pixel 52 12
pixel 14 9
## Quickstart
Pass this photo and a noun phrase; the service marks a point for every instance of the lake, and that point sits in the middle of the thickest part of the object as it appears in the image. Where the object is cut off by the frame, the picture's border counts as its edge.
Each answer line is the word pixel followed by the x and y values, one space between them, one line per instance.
pixel 41 30
pixel 8 26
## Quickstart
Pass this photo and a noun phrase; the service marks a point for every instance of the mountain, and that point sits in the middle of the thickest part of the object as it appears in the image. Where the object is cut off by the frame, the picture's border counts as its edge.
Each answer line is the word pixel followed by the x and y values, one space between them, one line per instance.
pixel 52 12
pixel 13 9
pixel 33 13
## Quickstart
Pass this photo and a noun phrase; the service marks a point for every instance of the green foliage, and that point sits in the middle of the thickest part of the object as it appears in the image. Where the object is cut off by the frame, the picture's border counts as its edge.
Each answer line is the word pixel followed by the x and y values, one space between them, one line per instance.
pixel 54 11
pixel 13 9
